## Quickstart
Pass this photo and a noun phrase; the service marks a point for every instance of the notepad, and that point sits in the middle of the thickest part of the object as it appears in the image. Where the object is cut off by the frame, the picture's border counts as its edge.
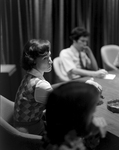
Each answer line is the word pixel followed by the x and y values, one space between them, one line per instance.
pixel 110 76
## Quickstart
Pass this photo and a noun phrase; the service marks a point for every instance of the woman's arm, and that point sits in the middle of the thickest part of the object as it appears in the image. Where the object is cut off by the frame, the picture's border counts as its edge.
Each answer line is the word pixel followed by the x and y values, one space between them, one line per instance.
pixel 42 89
pixel 94 65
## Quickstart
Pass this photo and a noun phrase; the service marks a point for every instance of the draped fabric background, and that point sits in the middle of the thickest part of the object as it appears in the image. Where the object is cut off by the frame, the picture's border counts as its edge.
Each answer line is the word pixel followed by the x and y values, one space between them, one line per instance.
pixel 23 20
pixel 54 20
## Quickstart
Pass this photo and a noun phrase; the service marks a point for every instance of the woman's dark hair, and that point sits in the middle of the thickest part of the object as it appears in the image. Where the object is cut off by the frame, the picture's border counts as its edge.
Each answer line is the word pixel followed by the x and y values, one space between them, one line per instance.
pixel 77 32
pixel 33 49
pixel 68 108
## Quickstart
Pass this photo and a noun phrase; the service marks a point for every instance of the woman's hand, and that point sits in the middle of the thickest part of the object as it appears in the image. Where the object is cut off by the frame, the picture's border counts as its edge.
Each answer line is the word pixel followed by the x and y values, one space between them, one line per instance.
pixel 87 50
pixel 101 73
pixel 97 85
pixel 100 122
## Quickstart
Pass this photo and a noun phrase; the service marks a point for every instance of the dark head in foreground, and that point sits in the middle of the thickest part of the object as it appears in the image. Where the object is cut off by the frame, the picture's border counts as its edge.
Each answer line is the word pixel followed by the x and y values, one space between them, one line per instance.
pixel 70 107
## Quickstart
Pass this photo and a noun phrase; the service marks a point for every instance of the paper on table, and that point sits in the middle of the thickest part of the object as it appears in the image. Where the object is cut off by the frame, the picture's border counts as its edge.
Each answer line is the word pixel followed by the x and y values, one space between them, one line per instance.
pixel 110 76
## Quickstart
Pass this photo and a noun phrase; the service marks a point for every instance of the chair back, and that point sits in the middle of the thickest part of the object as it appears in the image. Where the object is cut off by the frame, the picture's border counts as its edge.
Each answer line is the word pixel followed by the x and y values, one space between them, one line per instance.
pixel 57 65
pixel 108 54
pixel 6 109
pixel 11 138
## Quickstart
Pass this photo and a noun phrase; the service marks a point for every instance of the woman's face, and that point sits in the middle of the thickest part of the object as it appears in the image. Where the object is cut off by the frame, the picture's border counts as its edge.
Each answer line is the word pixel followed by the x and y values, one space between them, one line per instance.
pixel 81 43
pixel 44 64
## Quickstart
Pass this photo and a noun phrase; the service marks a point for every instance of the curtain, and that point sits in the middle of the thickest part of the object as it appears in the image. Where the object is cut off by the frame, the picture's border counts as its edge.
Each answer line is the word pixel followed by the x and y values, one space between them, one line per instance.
pixel 104 24
pixel 23 20
pixel 54 20
pixel 111 22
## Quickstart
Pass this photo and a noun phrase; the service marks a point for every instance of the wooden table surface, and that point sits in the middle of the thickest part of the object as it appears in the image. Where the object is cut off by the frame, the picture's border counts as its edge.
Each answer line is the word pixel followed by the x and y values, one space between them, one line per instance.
pixel 110 92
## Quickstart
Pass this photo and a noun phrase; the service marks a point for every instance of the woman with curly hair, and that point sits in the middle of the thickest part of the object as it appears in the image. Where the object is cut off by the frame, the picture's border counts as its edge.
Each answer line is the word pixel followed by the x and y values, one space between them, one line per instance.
pixel 30 98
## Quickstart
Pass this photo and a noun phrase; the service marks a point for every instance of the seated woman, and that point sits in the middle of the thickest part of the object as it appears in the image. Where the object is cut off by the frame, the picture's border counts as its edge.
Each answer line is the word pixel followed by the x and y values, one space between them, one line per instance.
pixel 70 117
pixel 30 99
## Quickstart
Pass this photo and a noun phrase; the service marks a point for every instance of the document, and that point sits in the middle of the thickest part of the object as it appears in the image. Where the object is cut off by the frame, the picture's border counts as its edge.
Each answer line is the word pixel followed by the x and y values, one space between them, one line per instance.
pixel 110 76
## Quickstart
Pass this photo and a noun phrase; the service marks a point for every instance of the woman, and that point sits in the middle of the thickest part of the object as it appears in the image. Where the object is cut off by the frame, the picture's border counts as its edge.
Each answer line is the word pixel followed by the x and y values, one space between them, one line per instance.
pixel 70 117
pixel 30 99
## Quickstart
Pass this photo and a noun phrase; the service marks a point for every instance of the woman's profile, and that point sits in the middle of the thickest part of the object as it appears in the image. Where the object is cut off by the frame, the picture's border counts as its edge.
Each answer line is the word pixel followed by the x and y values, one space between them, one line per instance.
pixel 30 98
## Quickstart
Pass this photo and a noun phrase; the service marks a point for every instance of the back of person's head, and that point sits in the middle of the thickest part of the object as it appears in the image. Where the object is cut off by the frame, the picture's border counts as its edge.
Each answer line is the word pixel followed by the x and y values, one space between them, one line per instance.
pixel 70 107
pixel 78 32
pixel 33 49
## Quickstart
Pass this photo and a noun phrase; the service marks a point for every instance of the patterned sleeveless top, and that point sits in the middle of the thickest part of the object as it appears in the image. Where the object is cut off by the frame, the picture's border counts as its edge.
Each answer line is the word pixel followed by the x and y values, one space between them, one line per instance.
pixel 26 108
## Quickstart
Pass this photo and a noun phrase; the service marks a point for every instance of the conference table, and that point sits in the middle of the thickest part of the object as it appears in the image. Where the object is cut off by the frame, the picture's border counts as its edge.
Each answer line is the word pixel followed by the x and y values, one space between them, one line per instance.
pixel 110 92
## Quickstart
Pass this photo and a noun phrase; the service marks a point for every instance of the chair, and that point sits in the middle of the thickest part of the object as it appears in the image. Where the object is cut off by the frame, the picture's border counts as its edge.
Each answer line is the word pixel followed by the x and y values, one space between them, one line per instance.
pixel 57 65
pixel 108 54
pixel 11 138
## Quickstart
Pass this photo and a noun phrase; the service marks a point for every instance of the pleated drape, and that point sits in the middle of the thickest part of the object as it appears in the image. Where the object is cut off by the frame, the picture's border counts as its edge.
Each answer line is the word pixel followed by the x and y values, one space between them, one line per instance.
pixel 23 20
